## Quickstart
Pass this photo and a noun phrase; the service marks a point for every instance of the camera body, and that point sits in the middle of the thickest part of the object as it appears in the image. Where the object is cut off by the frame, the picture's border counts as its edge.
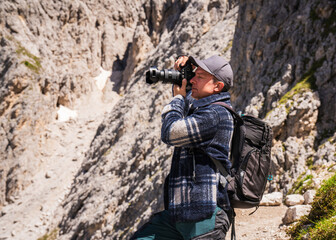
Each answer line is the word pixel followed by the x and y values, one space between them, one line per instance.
pixel 154 75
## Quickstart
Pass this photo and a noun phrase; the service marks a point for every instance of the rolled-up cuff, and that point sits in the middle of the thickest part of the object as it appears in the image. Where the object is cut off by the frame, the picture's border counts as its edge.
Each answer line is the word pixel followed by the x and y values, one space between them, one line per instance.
pixel 173 105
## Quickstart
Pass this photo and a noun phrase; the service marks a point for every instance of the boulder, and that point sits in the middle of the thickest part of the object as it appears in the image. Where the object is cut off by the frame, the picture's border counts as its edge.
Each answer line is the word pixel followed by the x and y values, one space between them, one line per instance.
pixel 294 213
pixel 294 199
pixel 272 199
pixel 309 196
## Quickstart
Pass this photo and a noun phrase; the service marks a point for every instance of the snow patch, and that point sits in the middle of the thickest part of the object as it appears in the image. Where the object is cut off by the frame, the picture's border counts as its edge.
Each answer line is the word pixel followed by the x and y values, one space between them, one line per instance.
pixel 65 114
pixel 101 79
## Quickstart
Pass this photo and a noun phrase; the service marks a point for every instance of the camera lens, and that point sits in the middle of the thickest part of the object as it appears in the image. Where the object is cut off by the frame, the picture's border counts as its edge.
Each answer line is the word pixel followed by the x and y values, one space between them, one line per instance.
pixel 153 75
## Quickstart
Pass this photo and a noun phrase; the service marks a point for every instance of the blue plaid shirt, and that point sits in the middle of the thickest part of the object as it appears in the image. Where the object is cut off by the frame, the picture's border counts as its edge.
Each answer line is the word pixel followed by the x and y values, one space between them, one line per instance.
pixel 198 132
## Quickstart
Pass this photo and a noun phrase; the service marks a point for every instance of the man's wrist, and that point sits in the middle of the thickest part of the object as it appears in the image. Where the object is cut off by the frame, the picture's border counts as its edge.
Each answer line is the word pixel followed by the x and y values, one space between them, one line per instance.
pixel 179 96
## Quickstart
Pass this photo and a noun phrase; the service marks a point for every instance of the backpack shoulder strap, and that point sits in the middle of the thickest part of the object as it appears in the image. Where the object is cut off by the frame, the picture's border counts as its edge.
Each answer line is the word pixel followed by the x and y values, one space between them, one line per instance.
pixel 221 169
pixel 218 164
pixel 233 112
pixel 238 134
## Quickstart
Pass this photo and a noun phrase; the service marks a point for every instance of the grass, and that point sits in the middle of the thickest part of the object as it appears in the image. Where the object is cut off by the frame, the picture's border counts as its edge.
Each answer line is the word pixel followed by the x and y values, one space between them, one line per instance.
pixel 228 47
pixel 310 163
pixel 50 236
pixel 33 62
pixel 324 229
pixel 108 151
pixel 320 223
pixel 307 83
pixel 31 66
pixel 302 184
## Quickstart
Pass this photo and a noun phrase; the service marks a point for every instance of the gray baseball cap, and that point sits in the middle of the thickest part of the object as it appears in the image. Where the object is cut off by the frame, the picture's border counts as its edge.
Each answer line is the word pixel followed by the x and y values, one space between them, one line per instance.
pixel 218 67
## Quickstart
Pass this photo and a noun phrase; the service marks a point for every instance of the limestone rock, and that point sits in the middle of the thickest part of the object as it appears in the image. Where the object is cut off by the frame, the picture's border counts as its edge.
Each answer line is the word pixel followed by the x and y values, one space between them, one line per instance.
pixel 309 196
pixel 49 53
pixel 326 152
pixel 294 213
pixel 272 199
pixel 294 199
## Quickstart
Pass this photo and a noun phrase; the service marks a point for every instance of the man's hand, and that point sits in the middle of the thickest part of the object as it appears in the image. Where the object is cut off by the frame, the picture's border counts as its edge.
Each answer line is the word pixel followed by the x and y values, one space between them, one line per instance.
pixel 180 62
pixel 180 90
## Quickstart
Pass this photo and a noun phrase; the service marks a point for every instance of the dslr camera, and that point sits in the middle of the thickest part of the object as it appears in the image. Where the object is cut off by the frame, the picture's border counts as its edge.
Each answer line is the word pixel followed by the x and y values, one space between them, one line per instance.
pixel 154 75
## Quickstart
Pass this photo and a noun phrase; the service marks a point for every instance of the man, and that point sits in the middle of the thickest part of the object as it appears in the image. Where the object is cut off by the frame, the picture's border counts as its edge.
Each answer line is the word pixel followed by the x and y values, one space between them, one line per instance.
pixel 197 204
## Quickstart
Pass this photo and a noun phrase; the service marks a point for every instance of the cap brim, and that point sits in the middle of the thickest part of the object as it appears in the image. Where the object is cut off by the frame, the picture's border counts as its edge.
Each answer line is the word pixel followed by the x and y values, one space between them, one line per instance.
pixel 199 63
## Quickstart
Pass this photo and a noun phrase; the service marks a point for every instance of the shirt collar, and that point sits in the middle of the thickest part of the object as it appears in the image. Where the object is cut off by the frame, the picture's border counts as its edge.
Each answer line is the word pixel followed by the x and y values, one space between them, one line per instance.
pixel 223 96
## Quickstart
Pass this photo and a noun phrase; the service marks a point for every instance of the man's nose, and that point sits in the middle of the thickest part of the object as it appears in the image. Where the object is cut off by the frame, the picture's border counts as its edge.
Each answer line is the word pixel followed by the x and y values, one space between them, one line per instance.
pixel 193 80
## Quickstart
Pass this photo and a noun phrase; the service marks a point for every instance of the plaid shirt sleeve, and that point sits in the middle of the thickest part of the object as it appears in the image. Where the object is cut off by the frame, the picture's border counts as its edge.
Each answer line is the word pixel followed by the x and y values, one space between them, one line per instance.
pixel 196 130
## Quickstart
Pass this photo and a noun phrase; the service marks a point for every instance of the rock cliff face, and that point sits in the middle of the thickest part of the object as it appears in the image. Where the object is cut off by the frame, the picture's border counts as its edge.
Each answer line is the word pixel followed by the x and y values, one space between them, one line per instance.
pixel 282 54
pixel 49 51
pixel 284 60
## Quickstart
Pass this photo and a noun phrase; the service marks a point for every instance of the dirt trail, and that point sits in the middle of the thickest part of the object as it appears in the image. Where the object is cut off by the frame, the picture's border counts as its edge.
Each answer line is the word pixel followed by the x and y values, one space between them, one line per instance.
pixel 264 224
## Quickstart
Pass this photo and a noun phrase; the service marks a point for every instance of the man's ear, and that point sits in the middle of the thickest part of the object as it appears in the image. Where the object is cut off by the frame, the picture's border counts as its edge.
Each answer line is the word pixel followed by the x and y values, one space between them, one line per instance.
pixel 219 86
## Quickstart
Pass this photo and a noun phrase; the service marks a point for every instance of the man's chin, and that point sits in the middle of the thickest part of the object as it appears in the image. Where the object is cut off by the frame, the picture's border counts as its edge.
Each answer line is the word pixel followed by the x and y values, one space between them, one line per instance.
pixel 194 95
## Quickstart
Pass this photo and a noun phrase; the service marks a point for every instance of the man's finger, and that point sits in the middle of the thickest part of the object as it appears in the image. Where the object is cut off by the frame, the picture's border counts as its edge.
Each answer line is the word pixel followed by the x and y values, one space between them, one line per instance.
pixel 180 62
pixel 184 83
pixel 177 65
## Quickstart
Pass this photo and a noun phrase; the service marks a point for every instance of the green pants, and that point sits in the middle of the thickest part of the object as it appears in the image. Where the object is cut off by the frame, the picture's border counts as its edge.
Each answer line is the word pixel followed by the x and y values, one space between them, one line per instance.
pixel 160 227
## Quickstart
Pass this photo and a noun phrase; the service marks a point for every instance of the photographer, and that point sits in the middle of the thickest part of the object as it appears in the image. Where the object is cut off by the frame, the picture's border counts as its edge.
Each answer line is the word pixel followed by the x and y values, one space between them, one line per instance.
pixel 197 204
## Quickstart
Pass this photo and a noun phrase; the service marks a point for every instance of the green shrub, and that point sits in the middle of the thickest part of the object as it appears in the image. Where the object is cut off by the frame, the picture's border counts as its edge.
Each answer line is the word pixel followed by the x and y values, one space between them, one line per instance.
pixel 324 229
pixel 34 63
pixel 321 221
pixel 302 184
pixel 306 83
